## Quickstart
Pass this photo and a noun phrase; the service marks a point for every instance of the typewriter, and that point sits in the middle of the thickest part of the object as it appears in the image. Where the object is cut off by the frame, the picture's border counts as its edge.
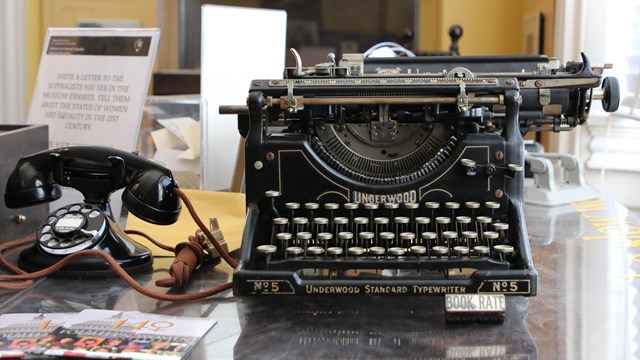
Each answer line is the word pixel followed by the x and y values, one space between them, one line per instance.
pixel 400 176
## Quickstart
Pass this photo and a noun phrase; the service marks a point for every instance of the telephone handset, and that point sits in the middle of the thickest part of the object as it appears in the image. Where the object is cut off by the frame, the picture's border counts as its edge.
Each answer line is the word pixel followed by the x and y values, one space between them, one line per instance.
pixel 96 172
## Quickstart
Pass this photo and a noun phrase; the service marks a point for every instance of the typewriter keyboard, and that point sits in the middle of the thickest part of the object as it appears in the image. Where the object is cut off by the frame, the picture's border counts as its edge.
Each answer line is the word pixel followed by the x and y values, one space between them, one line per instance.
pixel 355 236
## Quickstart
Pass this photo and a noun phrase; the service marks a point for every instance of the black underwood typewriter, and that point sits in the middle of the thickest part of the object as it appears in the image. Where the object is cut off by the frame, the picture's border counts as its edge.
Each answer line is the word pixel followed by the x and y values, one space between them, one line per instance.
pixel 400 176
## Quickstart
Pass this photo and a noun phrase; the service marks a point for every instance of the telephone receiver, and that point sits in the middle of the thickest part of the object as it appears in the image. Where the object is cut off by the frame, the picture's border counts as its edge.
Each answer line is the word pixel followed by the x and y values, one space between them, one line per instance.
pixel 96 172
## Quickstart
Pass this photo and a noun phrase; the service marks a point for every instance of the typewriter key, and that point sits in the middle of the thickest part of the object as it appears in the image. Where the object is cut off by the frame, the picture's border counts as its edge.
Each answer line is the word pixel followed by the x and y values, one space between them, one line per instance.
pixel 292 207
pixel 377 251
pixel 440 250
pixel 284 239
pixel 396 251
pixel 482 223
pixel 386 238
pixel 267 250
pixel 411 206
pixel 450 238
pixel 340 225
pixel 461 251
pixel 372 207
pixel 361 223
pixel 380 226
pixel 481 250
pixel 294 251
pixel 321 225
pixel 324 238
pixel 315 251
pixel 391 208
pixel 428 239
pixel 490 237
pixel 311 207
pixel 279 225
pixel 418 250
pixel 303 238
pixel 334 251
pixel 345 238
pixel 401 225
pixel 407 239
pixel 503 251
pixel 300 224
pixel 366 238
pixel 355 251
pixel 502 229
pixel 492 206
pixel 471 238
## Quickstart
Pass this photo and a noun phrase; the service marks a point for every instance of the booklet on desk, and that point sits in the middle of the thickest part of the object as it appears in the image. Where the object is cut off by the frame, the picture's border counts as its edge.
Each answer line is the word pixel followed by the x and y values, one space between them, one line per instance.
pixel 19 333
pixel 110 334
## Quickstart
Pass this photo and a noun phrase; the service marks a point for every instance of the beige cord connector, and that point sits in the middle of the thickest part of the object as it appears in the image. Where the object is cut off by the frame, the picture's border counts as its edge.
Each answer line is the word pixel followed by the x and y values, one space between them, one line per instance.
pixel 218 236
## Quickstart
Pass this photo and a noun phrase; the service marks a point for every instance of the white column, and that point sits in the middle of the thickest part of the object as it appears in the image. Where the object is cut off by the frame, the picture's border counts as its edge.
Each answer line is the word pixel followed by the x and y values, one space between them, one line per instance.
pixel 13 74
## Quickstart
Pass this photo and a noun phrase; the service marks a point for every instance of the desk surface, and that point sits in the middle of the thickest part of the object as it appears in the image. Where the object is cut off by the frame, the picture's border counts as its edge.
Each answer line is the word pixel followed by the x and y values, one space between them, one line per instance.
pixel 587 307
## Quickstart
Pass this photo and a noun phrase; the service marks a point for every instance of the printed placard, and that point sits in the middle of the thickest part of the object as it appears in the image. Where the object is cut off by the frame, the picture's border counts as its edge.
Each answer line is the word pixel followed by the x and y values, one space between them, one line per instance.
pixel 92 84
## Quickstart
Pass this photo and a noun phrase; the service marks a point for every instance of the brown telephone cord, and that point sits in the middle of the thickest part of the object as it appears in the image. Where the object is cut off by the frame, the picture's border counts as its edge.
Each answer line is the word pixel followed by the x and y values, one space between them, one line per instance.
pixel 8 282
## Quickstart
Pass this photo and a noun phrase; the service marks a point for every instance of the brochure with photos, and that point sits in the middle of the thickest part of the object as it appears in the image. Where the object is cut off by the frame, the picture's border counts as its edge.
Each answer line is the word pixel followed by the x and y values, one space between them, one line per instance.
pixel 20 333
pixel 109 334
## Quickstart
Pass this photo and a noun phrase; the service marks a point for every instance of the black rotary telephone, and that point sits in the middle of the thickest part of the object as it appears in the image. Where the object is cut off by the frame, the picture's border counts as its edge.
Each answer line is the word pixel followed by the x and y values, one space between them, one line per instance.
pixel 96 172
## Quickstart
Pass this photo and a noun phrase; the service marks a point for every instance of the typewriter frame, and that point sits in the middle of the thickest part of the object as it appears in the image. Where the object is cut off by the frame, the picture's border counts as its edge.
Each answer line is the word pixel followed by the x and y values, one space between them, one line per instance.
pixel 280 163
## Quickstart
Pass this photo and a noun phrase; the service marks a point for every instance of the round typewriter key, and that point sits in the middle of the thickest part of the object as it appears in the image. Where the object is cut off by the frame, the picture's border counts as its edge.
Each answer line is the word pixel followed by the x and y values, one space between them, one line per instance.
pixel 411 205
pixel 311 206
pixel 292 206
pixel 315 250
pixel 428 238
pixel 461 250
pixel 490 237
pixel 303 238
pixel 418 250
pixel 470 237
pixel 377 251
pixel 331 206
pixel 272 193
pixel 351 206
pixel 391 206
pixel 361 223
pixel 321 224
pixel 284 238
pixel 440 250
pixel 371 206
pixel 450 238
pixel 472 205
pixel 345 238
pixel 432 205
pixel 300 224
pixel 481 250
pixel 452 205
pixel 514 167
pixel 267 250
pixel 396 251
pixel 502 229
pixel 483 223
pixel 503 250
pixel 334 251
pixel 366 238
pixel 294 251
pixel 407 239
pixel 324 238
pixel 355 251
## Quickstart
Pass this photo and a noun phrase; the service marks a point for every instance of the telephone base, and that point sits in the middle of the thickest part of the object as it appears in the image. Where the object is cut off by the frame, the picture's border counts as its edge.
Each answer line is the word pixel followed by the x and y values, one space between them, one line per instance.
pixel 33 259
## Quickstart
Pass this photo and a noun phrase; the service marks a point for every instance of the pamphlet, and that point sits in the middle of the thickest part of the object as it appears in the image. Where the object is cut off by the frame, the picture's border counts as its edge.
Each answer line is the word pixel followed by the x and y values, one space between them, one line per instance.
pixel 101 334
pixel 20 333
